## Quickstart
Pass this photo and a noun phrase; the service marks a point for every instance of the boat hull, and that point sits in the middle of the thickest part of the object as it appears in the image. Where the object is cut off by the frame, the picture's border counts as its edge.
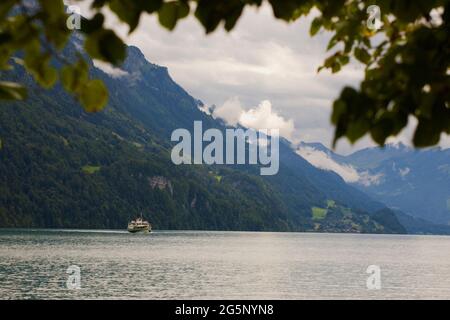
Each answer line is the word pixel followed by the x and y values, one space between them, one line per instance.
pixel 146 230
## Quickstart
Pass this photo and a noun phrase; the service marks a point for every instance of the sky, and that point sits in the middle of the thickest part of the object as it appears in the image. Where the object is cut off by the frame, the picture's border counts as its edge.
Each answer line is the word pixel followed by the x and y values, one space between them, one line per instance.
pixel 263 73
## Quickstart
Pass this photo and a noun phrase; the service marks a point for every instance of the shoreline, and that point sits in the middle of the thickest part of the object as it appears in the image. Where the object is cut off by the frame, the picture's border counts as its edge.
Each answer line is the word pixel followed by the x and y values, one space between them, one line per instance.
pixel 124 231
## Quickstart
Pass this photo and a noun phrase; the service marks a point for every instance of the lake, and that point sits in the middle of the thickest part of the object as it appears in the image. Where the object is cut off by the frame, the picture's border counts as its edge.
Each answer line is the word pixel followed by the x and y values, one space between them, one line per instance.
pixel 221 265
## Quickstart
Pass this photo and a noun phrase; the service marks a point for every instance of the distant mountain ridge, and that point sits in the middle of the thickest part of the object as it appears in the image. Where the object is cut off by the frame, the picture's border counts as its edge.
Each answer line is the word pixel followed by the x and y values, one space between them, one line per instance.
pixel 416 182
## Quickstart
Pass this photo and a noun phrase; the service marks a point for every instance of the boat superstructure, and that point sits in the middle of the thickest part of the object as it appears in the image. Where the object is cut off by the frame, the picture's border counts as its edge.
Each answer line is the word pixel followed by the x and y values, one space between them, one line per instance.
pixel 139 225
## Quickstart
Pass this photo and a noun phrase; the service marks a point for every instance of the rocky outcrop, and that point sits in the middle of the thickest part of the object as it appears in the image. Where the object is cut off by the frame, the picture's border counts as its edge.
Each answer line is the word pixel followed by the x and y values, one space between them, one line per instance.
pixel 160 182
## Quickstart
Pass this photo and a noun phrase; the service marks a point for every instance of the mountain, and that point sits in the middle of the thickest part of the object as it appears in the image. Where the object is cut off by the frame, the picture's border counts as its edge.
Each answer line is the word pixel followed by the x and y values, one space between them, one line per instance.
pixel 317 146
pixel 62 167
pixel 416 182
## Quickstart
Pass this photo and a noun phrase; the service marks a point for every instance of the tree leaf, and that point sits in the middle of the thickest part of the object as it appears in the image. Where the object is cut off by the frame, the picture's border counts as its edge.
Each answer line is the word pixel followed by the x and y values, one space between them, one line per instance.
pixel 105 45
pixel 171 12
pixel 12 91
pixel 362 55
pixel 127 11
pixel 316 24
pixel 94 96
pixel 74 76
pixel 426 134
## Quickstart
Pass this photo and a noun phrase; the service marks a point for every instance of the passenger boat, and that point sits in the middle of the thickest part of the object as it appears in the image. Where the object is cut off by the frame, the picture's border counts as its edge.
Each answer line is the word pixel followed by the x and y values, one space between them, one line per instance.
pixel 139 225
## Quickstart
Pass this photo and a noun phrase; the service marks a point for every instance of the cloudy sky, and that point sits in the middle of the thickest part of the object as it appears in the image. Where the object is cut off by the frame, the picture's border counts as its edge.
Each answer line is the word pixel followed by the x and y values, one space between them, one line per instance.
pixel 263 72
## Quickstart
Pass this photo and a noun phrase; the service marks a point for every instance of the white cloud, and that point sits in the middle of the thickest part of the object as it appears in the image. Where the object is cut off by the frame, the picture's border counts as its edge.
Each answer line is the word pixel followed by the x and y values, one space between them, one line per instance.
pixel 367 179
pixel 204 108
pixel 261 117
pixel 404 172
pixel 108 69
pixel 231 111
pixel 322 160
pixel 262 58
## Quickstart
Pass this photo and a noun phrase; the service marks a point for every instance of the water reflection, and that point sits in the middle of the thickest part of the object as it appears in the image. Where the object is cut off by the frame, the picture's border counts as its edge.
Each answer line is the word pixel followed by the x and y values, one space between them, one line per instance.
pixel 220 265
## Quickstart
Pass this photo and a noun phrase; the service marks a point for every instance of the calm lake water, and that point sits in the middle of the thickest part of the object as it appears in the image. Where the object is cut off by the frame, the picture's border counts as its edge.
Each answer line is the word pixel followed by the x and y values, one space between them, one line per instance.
pixel 221 265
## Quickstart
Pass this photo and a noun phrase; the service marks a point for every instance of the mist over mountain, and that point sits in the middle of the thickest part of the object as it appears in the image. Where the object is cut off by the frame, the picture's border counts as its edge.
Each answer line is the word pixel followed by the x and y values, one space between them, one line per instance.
pixel 416 182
